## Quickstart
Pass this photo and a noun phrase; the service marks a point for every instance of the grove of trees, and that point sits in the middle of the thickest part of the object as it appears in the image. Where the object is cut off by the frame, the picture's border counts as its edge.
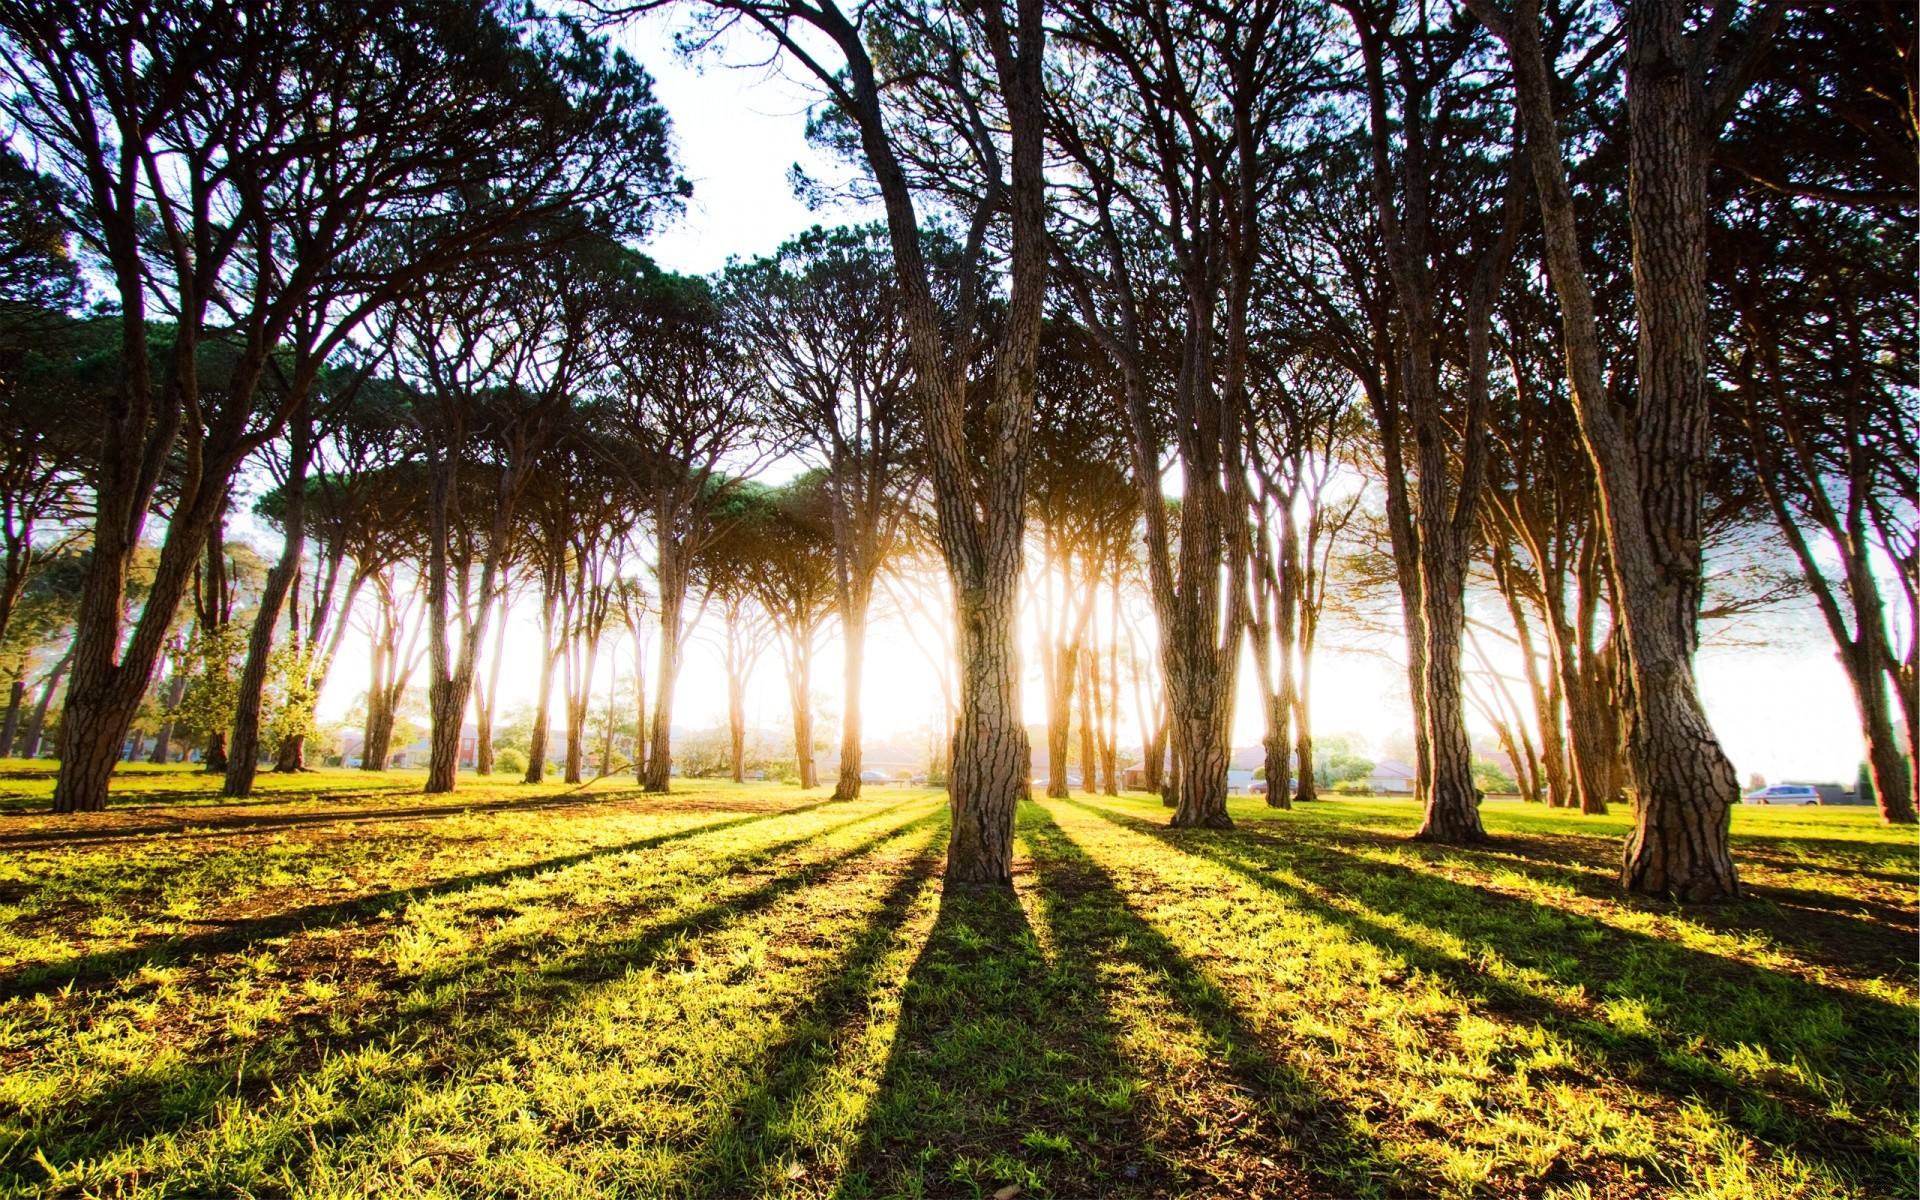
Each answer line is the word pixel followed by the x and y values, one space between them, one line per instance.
pixel 1180 342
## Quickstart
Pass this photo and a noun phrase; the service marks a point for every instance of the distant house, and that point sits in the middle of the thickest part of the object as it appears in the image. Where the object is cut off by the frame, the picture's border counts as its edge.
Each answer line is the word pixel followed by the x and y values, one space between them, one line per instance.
pixel 1392 778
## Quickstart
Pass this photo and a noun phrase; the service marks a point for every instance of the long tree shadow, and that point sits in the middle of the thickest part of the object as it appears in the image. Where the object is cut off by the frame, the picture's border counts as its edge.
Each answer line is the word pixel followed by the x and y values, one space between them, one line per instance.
pixel 513 998
pixel 335 808
pixel 1011 1065
pixel 1700 1004
pixel 91 970
pixel 1265 1108
pixel 1841 932
pixel 767 1135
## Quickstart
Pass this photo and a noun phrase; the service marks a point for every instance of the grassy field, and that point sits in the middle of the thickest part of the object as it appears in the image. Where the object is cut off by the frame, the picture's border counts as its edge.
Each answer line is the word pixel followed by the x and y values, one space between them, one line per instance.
pixel 343 988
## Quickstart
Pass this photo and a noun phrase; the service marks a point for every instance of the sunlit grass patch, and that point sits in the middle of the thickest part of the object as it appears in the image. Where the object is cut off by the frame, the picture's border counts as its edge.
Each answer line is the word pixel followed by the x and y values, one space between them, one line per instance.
pixel 750 991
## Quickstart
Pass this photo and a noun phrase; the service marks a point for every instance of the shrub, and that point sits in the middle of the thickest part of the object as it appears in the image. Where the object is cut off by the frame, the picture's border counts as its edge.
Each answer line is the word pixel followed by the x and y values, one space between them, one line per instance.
pixel 509 762
pixel 1353 787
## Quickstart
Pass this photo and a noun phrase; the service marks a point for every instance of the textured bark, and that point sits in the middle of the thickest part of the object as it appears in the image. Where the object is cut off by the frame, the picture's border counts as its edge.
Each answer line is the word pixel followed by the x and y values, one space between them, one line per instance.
pixel 291 756
pixel 376 746
pixel 991 756
pixel 213 762
pixel 1650 480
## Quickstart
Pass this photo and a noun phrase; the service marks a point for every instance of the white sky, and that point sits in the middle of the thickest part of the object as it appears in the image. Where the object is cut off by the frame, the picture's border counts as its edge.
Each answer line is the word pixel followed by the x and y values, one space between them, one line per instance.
pixel 1782 712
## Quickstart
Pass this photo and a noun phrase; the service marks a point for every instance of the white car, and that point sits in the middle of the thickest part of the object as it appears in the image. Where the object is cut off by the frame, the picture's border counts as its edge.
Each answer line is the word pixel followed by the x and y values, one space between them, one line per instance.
pixel 1782 793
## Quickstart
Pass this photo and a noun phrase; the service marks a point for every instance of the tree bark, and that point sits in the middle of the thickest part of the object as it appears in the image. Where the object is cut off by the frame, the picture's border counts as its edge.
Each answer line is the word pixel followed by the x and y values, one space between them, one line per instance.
pixel 1650 481
pixel 245 759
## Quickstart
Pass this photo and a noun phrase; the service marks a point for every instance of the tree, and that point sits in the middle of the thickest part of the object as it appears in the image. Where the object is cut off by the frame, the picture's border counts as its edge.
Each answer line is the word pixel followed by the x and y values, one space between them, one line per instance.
pixel 269 175
pixel 1811 258
pixel 823 320
pixel 1423 100
pixel 1649 463
pixel 956 122
pixel 1179 155
pixel 1084 508
pixel 782 538
pixel 677 405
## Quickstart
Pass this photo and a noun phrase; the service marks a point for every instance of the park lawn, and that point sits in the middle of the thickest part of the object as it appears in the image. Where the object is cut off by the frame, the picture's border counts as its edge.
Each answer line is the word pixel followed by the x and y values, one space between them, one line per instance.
pixel 343 988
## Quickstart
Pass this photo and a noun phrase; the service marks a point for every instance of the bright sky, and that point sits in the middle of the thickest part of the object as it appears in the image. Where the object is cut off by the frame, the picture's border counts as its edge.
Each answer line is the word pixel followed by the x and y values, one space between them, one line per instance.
pixel 1783 712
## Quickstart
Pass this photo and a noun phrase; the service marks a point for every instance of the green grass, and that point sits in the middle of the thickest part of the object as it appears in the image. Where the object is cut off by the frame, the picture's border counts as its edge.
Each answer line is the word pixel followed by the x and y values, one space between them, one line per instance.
pixel 345 988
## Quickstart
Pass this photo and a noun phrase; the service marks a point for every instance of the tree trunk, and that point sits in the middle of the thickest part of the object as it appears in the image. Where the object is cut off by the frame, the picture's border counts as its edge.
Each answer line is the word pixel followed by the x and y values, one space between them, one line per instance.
pixel 853 636
pixel 1453 801
pixel 1089 722
pixel 671 575
pixel 245 760
pixel 486 706
pixel 991 757
pixel 447 704
pixel 1059 680
pixel 38 724
pixel 291 758
pixel 16 696
pixel 543 701
pixel 163 741
pixel 800 693
pixel 1651 478
pixel 376 750
pixel 737 723
pixel 579 677
pixel 215 762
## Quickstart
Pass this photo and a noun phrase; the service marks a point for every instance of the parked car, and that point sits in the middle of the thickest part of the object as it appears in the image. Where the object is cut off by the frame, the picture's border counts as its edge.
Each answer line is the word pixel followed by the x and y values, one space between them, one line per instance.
pixel 871 776
pixel 1782 793
pixel 1257 788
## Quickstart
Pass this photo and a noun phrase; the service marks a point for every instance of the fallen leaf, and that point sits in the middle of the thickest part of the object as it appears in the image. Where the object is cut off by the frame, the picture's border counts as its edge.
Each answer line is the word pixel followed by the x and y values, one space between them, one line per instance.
pixel 1008 1192
pixel 797 1171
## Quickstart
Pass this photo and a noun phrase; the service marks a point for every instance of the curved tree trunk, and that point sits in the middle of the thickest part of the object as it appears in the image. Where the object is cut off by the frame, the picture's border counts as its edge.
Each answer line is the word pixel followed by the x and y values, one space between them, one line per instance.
pixel 291 757
pixel 245 761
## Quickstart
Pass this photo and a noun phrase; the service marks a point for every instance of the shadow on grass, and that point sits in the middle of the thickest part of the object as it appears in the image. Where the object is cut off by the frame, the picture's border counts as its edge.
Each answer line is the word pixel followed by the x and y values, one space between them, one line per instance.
pixel 1010 1066
pixel 1700 1003
pixel 333 808
pixel 515 1005
pixel 768 1133
pixel 90 970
